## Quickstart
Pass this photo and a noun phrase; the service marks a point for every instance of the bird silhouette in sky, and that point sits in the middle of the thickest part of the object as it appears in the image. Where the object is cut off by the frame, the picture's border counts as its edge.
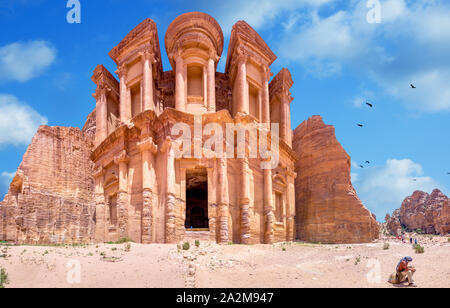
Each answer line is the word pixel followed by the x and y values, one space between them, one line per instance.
pixel 360 125
pixel 448 173
pixel 413 86
pixel 369 104
pixel 362 167
pixel 367 162
pixel 415 180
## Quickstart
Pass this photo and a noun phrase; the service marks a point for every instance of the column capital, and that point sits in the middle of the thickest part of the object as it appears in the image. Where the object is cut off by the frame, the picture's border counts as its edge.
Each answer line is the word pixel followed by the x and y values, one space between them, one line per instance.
pixel 242 59
pixel 148 55
pixel 122 157
pixel 102 90
pixel 148 145
pixel 213 56
pixel 98 172
pixel 121 71
pixel 167 144
pixel 266 73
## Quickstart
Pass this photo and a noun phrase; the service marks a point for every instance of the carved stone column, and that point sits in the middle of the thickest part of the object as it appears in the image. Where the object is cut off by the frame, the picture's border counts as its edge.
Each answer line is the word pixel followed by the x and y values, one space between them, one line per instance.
pixel 212 204
pixel 211 84
pixel 244 201
pixel 290 213
pixel 288 123
pixel 170 191
pixel 223 202
pixel 180 91
pixel 101 114
pixel 100 208
pixel 122 194
pixel 265 98
pixel 283 119
pixel 268 207
pixel 147 84
pixel 148 149
pixel 125 103
pixel 241 80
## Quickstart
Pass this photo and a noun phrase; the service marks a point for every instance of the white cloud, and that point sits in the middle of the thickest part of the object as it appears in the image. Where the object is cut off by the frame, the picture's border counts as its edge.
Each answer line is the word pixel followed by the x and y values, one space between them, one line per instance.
pixel 18 121
pixel 383 188
pixel 410 45
pixel 24 61
pixel 258 13
pixel 7 177
pixel 5 181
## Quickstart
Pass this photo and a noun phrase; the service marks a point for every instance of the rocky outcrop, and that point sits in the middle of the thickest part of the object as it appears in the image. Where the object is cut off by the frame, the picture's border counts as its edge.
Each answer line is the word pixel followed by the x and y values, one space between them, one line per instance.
pixel 50 199
pixel 328 209
pixel 427 212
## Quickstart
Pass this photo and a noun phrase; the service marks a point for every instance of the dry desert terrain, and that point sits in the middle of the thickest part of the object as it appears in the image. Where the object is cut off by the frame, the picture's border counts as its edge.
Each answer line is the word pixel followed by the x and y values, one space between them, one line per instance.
pixel 283 265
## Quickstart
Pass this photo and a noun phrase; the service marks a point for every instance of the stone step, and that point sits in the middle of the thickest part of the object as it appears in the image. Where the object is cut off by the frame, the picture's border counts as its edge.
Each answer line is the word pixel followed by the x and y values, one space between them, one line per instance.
pixel 191 236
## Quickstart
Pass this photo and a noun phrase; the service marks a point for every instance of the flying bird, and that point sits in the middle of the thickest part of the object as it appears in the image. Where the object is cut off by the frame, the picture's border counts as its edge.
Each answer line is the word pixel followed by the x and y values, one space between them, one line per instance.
pixel 369 104
pixel 362 167
pixel 448 173
pixel 360 125
pixel 367 162
pixel 413 86
pixel 415 180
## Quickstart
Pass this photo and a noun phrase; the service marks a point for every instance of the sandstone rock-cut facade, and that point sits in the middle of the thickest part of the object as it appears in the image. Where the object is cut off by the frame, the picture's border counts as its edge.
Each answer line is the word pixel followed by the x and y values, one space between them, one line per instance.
pixel 327 207
pixel 50 199
pixel 427 212
pixel 148 167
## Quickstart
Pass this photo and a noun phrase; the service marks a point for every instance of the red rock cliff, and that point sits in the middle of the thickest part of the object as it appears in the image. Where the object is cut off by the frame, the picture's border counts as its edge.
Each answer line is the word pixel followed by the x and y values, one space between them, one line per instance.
pixel 50 199
pixel 328 209
pixel 428 212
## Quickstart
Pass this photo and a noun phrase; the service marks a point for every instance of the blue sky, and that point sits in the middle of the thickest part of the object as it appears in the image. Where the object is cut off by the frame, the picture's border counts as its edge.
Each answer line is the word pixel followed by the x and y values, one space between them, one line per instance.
pixel 338 60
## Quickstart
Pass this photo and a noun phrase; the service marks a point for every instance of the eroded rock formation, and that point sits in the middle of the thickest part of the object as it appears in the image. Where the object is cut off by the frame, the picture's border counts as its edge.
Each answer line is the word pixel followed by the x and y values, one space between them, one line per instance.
pixel 327 207
pixel 50 199
pixel 428 212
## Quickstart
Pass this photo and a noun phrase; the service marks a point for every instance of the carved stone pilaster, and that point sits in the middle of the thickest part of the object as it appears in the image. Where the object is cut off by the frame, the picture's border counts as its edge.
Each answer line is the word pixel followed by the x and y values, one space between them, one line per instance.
pixel 170 219
pixel 268 207
pixel 167 148
pixel 147 217
pixel 223 202
pixel 245 202
pixel 290 229
pixel 100 216
pixel 122 194
pixel 122 214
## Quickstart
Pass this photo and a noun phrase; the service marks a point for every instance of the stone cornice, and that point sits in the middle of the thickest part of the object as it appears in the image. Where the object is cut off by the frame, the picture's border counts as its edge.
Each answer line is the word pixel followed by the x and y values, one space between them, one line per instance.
pixel 143 37
pixel 104 79
pixel 98 172
pixel 245 40
pixel 281 84
pixel 122 157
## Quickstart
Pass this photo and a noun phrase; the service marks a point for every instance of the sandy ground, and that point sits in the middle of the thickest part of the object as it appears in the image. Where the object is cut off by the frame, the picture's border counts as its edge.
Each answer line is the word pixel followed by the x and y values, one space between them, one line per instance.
pixel 281 265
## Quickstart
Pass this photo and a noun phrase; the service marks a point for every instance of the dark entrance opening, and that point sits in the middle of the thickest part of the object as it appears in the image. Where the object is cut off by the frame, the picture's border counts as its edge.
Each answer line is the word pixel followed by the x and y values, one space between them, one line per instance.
pixel 196 199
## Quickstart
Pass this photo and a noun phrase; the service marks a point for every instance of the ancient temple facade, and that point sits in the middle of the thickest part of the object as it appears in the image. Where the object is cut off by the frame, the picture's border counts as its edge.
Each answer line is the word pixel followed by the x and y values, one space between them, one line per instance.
pixel 145 190
pixel 187 153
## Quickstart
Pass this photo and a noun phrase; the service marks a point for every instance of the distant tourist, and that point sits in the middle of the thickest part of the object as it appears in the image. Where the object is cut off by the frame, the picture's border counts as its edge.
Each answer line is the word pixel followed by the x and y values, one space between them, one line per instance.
pixel 415 241
pixel 410 240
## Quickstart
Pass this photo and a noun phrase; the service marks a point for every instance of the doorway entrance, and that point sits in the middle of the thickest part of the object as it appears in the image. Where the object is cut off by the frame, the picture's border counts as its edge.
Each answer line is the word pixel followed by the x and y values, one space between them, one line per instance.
pixel 197 200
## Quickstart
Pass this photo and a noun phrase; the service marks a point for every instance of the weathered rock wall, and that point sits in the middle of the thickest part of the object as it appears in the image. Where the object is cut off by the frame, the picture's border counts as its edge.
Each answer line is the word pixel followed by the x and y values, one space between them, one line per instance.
pixel 328 209
pixel 50 199
pixel 428 212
